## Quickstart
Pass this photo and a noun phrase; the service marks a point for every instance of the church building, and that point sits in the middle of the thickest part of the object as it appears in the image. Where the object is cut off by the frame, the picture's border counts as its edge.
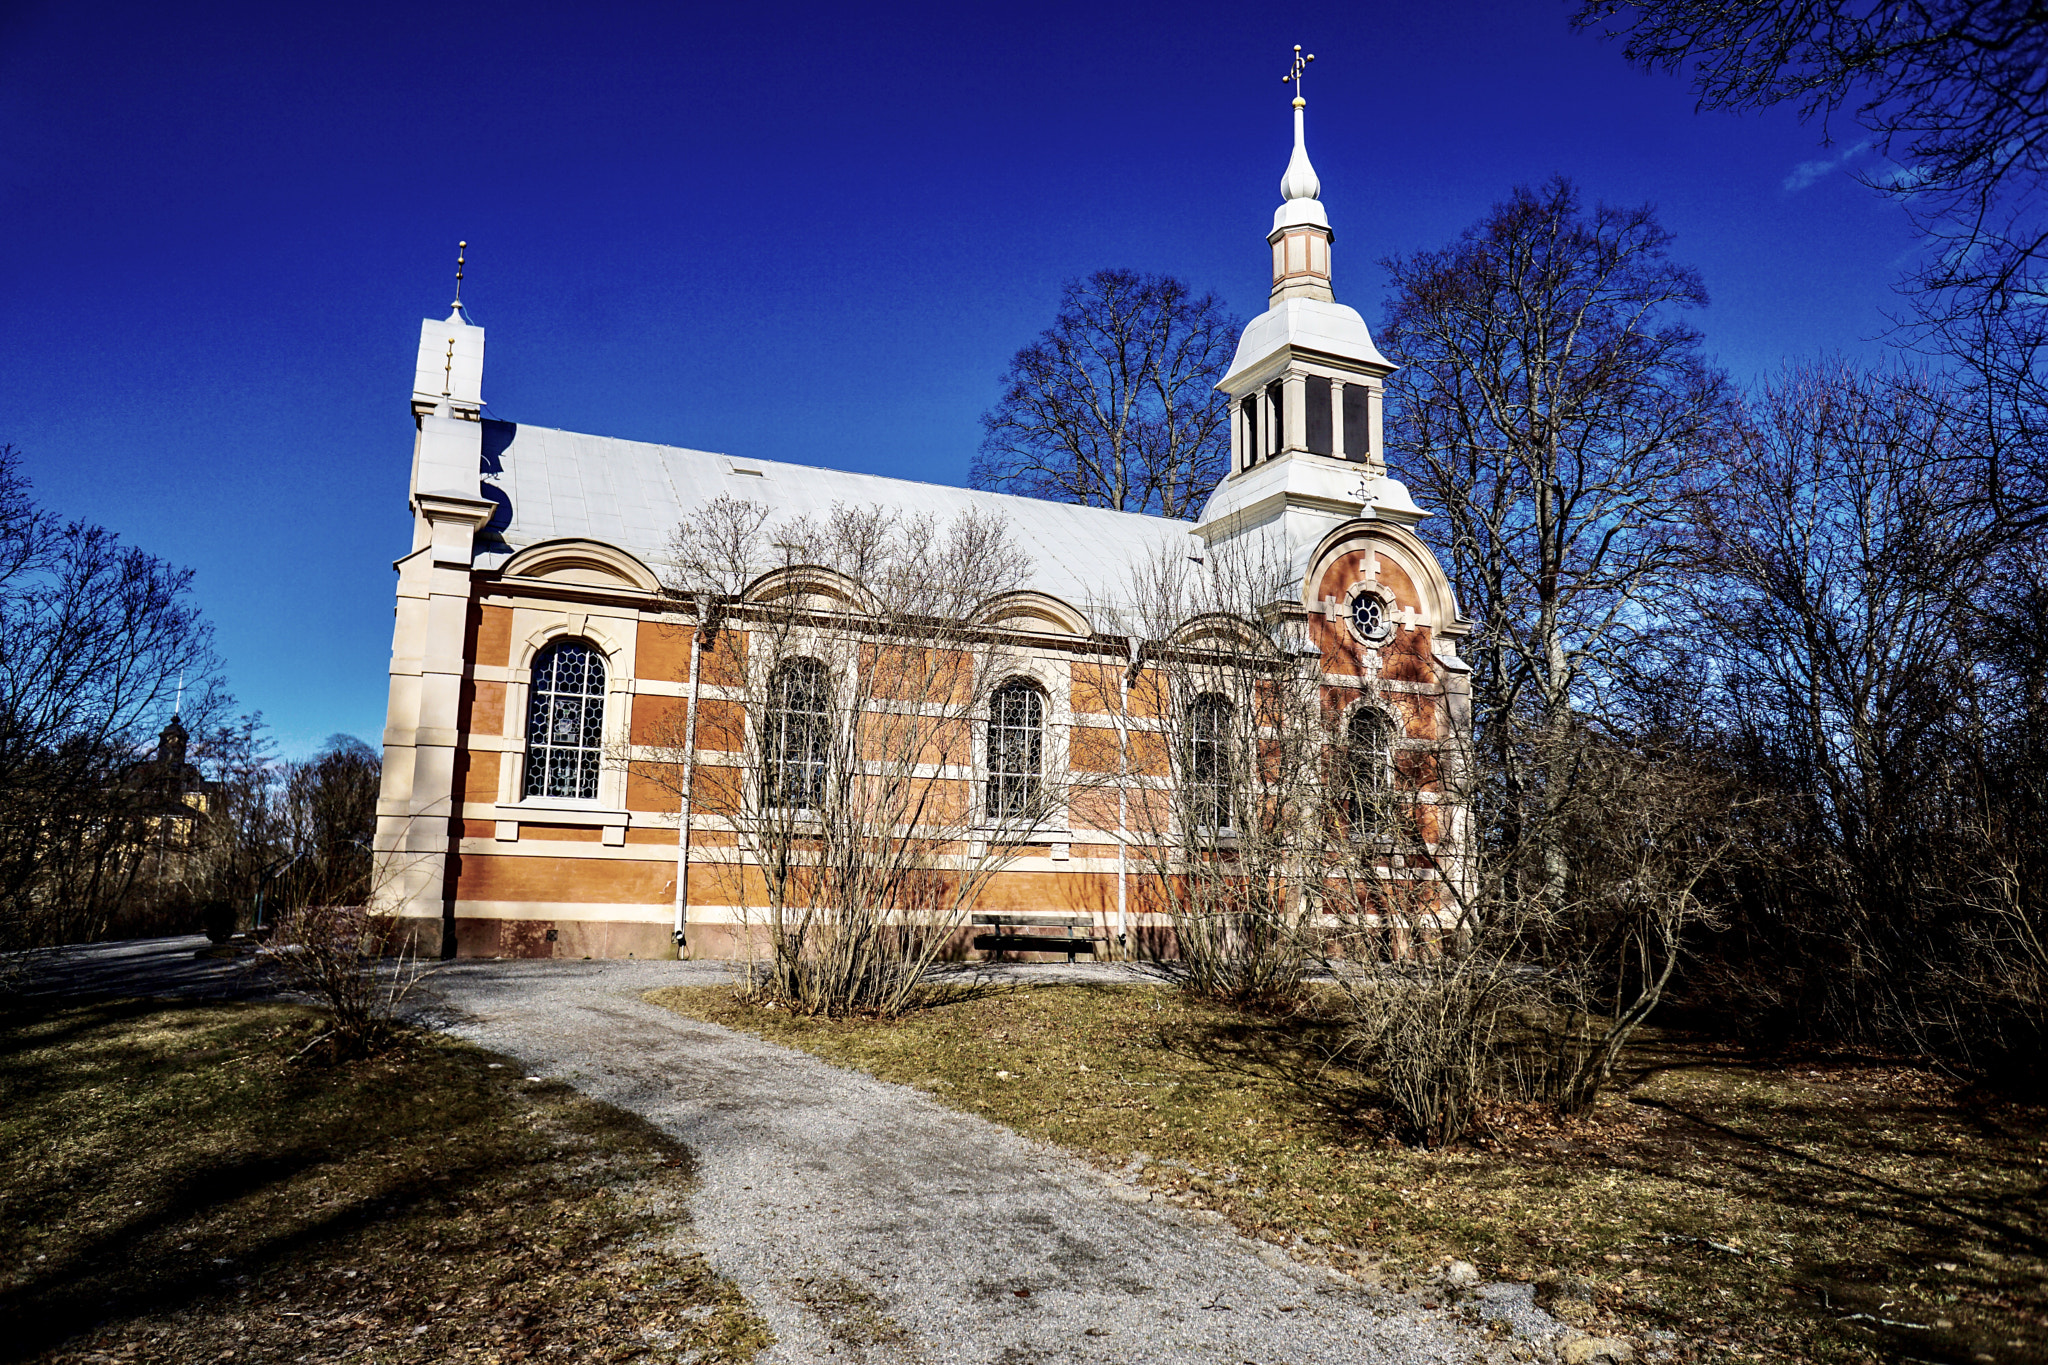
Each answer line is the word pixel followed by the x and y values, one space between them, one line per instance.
pixel 541 638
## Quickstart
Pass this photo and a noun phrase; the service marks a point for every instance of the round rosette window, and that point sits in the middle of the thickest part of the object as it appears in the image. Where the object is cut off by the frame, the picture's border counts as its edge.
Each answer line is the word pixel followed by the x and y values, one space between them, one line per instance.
pixel 1369 615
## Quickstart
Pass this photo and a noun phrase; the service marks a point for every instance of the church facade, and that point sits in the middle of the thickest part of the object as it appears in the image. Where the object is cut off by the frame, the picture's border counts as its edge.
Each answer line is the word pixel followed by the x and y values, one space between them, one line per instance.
pixel 545 656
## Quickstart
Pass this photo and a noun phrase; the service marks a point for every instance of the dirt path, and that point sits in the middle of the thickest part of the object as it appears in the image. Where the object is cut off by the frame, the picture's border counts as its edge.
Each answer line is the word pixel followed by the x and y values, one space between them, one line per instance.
pixel 867 1222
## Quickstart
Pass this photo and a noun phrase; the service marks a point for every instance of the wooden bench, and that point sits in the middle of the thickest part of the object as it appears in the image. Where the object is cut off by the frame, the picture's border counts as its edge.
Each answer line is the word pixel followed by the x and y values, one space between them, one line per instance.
pixel 1080 934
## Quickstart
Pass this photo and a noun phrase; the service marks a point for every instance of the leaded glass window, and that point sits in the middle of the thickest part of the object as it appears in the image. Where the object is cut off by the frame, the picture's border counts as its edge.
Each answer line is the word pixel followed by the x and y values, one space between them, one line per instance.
pixel 1208 761
pixel 796 736
pixel 1016 744
pixel 1369 615
pixel 565 722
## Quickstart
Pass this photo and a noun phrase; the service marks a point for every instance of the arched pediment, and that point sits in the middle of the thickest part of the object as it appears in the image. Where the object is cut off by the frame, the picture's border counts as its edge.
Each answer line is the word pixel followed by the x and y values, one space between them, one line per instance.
pixel 1222 630
pixel 813 586
pixel 1438 599
pixel 582 561
pixel 1037 612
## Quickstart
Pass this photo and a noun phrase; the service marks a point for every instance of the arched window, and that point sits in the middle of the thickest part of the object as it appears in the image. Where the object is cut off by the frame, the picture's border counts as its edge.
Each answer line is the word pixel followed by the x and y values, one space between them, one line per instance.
pixel 1369 763
pixel 565 722
pixel 1208 761
pixel 796 736
pixel 1016 745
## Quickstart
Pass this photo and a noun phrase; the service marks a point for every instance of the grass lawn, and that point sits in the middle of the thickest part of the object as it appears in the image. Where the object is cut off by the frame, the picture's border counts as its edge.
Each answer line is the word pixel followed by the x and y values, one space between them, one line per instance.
pixel 1749 1211
pixel 174 1187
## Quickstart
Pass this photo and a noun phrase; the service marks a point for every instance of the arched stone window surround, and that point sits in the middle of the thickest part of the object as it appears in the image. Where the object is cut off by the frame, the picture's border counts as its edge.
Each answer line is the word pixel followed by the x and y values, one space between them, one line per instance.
pixel 822 588
pixel 602 635
pixel 1224 631
pixel 1038 613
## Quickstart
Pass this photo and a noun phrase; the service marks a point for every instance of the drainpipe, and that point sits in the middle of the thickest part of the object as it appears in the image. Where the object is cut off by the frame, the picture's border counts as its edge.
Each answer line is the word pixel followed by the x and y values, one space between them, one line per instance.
pixel 689 776
pixel 1123 743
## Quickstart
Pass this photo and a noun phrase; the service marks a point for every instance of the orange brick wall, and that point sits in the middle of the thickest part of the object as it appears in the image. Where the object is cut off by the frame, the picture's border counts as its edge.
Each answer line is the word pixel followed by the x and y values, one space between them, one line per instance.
pixel 584 880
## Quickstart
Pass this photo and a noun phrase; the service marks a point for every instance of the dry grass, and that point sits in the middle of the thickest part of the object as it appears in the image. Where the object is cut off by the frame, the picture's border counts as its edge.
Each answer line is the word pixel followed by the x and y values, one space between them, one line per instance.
pixel 1748 1210
pixel 176 1189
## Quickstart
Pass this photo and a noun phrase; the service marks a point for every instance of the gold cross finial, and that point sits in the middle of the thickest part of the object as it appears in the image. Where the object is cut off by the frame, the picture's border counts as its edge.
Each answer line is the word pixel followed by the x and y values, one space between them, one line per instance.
pixel 461 253
pixel 1294 72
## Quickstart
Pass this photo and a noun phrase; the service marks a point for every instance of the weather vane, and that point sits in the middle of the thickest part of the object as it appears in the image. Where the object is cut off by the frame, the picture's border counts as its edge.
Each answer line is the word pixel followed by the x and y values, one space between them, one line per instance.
pixel 1293 74
pixel 462 247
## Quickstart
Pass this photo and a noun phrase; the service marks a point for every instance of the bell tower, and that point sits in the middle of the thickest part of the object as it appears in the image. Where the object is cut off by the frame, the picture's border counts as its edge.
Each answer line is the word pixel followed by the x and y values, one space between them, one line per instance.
pixel 1307 388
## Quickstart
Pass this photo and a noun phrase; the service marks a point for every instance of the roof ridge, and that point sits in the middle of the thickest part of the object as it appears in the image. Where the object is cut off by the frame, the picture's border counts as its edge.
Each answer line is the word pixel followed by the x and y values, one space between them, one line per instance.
pixel 858 474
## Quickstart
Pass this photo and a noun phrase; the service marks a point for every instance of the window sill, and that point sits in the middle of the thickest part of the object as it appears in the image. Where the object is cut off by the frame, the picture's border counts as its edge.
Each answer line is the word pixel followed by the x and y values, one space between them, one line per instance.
pixel 558 811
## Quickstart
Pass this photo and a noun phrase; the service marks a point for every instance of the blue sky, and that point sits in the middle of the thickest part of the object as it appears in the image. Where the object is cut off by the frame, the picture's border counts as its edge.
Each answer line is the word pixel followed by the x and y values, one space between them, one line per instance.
pixel 802 233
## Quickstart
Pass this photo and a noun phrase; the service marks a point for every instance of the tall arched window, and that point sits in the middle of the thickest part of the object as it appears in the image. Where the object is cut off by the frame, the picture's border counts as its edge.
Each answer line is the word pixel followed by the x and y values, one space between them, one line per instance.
pixel 565 722
pixel 1369 763
pixel 1208 761
pixel 796 736
pixel 1016 745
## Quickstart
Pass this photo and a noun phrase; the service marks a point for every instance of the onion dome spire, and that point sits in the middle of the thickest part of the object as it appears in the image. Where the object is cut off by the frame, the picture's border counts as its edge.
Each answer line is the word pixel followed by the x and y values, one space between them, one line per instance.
pixel 1301 233
pixel 1301 181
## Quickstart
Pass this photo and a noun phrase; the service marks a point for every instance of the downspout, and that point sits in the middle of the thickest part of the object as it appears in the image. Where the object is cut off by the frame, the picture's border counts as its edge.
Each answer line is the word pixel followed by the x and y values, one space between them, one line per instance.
pixel 1123 742
pixel 689 776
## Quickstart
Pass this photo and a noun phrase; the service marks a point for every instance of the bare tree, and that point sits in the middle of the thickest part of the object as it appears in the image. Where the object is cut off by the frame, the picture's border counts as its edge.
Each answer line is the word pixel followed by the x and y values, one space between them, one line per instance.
pixel 1220 738
pixel 1115 405
pixel 871 747
pixel 1554 411
pixel 96 636
pixel 330 809
pixel 1873 625
pixel 1953 92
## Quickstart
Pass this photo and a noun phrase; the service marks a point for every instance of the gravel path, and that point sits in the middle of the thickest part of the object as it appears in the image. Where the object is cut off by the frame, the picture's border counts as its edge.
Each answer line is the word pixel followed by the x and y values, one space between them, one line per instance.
pixel 850 1211
pixel 866 1222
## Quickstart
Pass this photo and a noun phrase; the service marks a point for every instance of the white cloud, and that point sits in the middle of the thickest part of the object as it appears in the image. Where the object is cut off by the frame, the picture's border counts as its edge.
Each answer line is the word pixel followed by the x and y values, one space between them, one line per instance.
pixel 1807 173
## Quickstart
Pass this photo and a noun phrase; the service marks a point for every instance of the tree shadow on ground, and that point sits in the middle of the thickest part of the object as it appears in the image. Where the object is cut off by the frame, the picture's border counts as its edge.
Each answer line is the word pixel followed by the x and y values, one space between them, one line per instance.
pixel 173 1167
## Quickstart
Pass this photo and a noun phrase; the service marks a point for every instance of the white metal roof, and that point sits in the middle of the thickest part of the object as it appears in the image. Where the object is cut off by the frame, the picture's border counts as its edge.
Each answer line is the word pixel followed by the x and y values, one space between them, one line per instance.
pixel 556 484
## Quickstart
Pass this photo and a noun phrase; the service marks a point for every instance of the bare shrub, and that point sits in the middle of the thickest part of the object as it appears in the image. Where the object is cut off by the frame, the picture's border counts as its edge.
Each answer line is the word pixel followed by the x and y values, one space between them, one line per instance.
pixel 353 962
pixel 1646 832
pixel 1435 1035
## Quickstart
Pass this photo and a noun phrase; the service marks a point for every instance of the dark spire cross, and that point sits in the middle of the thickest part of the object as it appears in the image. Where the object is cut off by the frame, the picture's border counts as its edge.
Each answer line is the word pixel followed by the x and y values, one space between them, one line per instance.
pixel 1300 65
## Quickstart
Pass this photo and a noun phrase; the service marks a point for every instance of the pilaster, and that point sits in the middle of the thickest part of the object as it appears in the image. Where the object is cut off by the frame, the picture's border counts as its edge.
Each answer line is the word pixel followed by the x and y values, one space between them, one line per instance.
pixel 1294 387
pixel 418 807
